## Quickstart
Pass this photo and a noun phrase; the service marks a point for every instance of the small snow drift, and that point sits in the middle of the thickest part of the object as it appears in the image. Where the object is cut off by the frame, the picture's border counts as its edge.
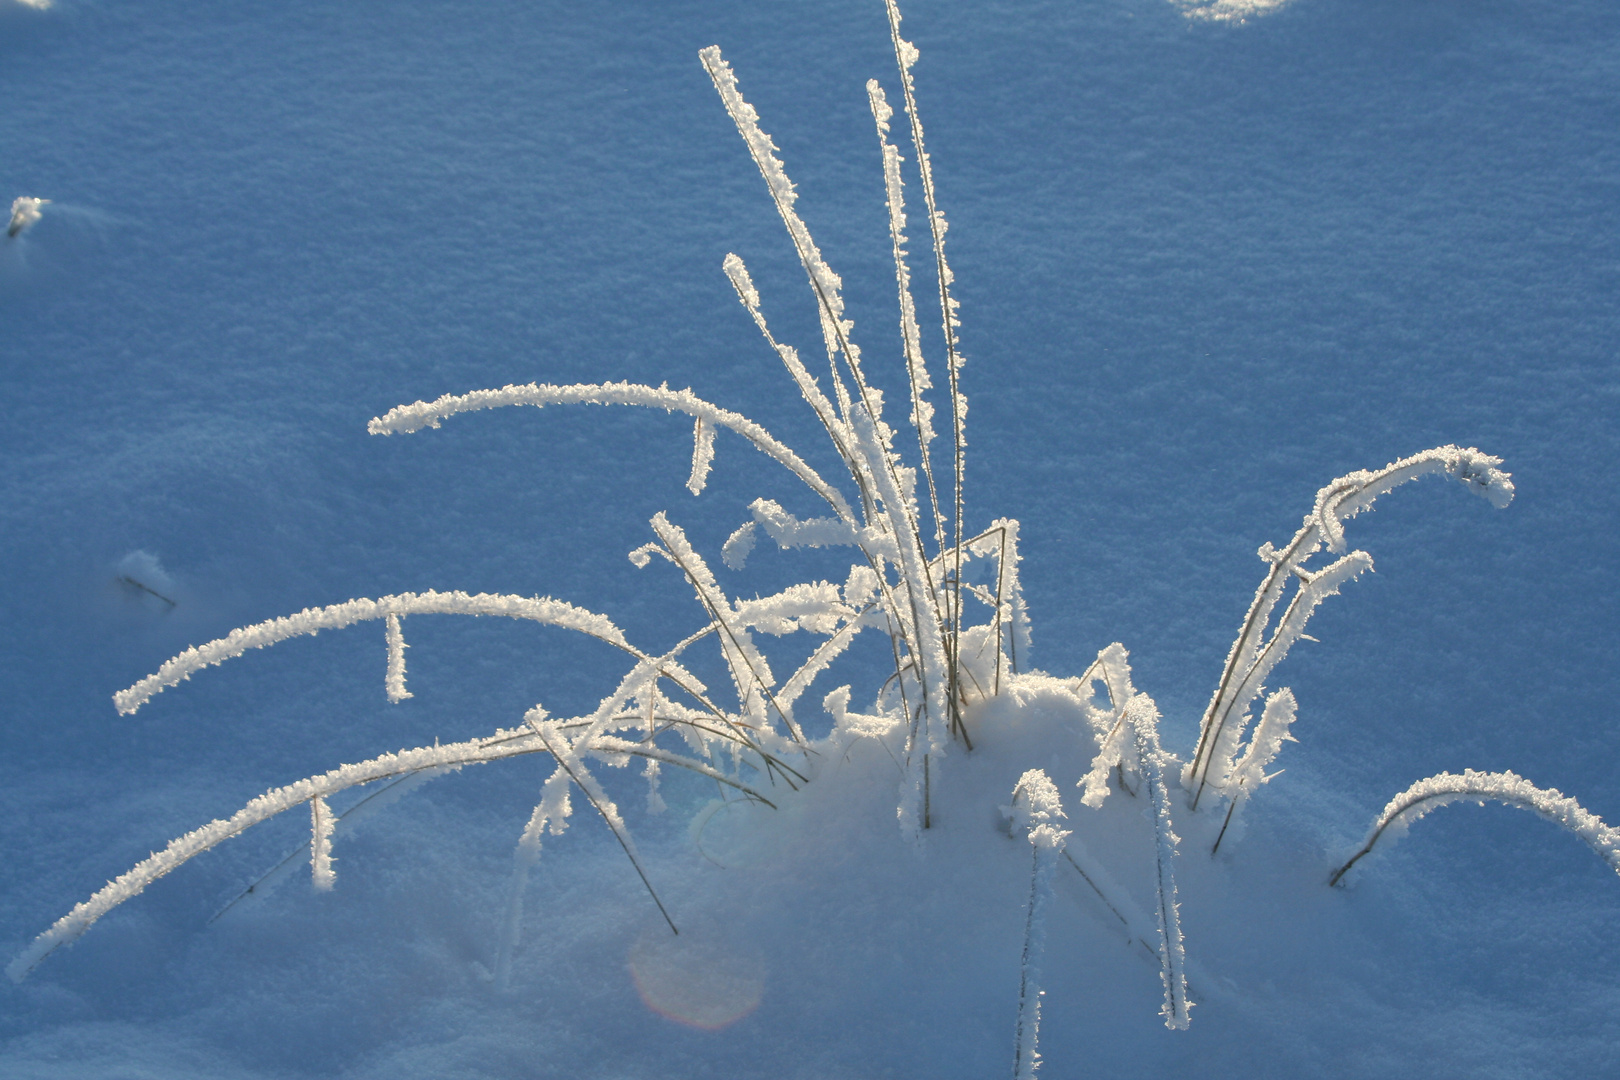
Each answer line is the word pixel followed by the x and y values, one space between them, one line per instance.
pixel 24 208
pixel 143 579
pixel 1236 11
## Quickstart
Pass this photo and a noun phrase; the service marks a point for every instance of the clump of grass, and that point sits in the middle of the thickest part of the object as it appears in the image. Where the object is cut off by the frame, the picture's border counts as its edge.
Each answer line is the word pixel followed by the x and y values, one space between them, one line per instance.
pixel 899 583
pixel 910 553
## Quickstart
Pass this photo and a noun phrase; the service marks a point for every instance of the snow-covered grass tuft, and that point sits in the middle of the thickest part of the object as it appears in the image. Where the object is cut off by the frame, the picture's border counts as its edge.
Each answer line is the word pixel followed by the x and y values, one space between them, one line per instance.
pixel 936 743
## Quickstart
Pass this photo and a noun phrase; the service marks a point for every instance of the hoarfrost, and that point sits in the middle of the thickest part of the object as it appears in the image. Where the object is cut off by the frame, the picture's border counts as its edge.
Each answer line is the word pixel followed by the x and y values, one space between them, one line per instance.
pixel 395 679
pixel 1037 811
pixel 1509 788
pixel 25 209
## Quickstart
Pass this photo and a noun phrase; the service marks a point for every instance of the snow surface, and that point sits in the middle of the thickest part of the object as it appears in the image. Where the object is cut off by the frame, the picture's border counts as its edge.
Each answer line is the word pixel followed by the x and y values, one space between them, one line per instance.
pixel 1205 266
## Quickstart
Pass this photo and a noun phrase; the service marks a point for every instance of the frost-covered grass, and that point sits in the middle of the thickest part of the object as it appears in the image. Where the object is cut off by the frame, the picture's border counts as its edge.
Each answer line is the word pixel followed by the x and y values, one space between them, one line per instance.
pixel 957 725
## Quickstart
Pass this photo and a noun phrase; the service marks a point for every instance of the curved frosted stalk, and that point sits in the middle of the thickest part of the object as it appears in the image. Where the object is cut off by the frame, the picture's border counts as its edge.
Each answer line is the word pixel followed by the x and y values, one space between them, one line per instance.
pixel 504 743
pixel 1113 668
pixel 1549 804
pixel 789 532
pixel 403 419
pixel 1350 495
pixel 1313 589
pixel 541 609
pixel 823 282
pixel 837 430
pixel 185 848
pixel 385 795
pixel 749 670
pixel 817 608
pixel 1344 498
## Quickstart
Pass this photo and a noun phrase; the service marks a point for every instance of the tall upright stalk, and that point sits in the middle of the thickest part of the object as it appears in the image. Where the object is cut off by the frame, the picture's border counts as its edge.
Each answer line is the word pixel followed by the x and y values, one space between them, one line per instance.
pixel 905 55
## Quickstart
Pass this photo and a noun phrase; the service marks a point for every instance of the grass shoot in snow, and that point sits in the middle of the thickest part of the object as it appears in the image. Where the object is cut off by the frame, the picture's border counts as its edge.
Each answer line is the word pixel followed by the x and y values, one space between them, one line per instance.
pixel 956 675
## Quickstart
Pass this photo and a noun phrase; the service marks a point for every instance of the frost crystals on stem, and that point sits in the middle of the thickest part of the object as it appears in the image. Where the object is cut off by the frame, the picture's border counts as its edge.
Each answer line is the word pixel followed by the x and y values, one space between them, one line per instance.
pixel 907 578
pixel 1037 811
pixel 1255 653
pixel 1508 788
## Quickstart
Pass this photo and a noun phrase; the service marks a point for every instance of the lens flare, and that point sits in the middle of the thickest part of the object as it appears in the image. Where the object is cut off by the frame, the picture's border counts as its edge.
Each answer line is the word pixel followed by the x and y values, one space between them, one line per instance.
pixel 702 980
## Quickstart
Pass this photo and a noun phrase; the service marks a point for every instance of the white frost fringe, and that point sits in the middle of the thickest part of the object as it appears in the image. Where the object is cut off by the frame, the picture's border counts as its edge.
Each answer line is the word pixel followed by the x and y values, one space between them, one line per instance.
pixel 541 609
pixel 321 824
pixel 1503 787
pixel 1254 655
pixel 906 55
pixel 1113 669
pixel 414 417
pixel 394 683
pixel 1250 772
pixel 184 848
pixel 1142 717
pixel 1037 810
pixel 551 813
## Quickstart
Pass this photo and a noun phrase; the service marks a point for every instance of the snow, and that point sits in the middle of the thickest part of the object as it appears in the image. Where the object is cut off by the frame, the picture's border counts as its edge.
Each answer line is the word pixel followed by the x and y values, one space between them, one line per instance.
pixel 24 212
pixel 1205 264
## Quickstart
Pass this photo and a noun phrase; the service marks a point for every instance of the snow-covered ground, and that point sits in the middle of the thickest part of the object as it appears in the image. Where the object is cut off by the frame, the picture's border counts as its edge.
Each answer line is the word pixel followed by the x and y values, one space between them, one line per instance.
pixel 1205 264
